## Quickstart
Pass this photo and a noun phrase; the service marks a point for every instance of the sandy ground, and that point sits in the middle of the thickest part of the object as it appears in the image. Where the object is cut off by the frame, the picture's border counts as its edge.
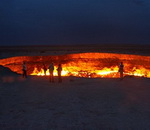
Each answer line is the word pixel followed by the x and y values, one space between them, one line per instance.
pixel 79 104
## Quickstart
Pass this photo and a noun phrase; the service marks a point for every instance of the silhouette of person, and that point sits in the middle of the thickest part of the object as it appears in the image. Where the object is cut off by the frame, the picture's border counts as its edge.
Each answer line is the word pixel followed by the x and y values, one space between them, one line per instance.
pixel 59 69
pixel 44 68
pixel 24 69
pixel 51 70
pixel 121 70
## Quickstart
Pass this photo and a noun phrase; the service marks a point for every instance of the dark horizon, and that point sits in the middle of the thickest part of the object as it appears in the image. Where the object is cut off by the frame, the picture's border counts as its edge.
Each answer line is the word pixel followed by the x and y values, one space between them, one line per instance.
pixel 57 22
pixel 77 44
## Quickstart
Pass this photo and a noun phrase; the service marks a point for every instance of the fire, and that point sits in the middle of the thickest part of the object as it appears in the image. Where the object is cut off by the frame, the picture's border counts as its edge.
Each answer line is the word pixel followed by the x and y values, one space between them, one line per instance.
pixel 141 72
pixel 42 73
pixel 83 64
pixel 105 72
pixel 108 71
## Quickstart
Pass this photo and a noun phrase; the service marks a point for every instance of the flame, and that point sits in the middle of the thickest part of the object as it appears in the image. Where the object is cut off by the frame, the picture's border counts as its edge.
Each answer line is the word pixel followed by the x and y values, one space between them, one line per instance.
pixel 42 73
pixel 89 65
pixel 105 72
pixel 141 72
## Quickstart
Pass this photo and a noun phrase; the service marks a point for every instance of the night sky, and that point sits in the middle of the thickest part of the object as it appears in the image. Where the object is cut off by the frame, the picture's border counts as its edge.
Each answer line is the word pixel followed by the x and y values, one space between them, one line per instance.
pixel 61 22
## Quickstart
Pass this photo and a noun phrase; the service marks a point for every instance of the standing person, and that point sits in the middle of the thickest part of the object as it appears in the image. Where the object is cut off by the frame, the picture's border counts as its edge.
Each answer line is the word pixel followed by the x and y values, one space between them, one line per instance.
pixel 44 68
pixel 59 69
pixel 24 69
pixel 121 69
pixel 51 70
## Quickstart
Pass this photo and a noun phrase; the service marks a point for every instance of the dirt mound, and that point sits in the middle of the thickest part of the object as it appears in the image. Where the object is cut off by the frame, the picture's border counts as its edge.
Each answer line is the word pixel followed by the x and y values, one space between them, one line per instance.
pixel 6 71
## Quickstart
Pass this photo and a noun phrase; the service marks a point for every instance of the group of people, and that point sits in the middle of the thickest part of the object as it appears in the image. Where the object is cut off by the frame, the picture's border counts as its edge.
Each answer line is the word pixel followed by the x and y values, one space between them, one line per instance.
pixel 59 69
pixel 51 71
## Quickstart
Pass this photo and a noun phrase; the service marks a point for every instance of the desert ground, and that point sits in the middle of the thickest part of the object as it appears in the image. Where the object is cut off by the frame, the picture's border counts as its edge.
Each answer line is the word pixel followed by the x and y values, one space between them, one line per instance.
pixel 76 103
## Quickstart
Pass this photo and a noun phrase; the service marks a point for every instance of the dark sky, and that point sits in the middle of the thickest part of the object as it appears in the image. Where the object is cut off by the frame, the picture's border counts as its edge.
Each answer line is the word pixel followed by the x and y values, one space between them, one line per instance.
pixel 54 22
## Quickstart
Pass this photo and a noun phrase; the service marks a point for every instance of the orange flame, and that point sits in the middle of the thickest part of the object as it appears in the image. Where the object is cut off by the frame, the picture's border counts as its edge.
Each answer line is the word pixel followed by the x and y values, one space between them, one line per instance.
pixel 105 72
pixel 42 73
pixel 83 64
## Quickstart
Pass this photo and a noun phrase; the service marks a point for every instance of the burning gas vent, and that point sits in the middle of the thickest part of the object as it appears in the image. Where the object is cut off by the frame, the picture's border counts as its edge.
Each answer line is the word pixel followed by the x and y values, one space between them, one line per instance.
pixel 83 64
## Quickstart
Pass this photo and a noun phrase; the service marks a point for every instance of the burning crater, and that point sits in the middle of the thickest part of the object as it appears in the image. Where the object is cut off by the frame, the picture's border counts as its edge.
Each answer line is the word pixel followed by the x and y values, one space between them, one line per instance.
pixel 83 64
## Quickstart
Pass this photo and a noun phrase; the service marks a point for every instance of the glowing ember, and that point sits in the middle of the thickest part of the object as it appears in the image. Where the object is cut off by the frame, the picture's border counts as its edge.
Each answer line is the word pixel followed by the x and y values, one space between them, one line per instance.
pixel 83 65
